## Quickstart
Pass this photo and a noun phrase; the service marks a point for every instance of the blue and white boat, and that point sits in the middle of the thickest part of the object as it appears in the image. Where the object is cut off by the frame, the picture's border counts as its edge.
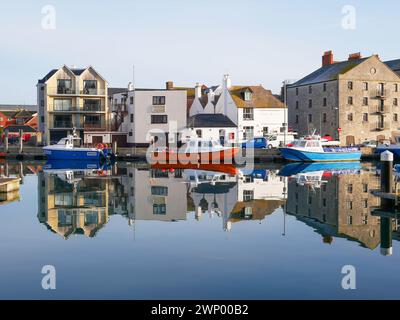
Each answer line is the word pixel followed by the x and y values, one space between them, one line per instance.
pixel 70 148
pixel 311 149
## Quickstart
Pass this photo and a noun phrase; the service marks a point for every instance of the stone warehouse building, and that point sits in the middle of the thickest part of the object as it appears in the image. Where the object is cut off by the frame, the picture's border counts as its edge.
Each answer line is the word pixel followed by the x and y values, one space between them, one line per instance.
pixel 353 100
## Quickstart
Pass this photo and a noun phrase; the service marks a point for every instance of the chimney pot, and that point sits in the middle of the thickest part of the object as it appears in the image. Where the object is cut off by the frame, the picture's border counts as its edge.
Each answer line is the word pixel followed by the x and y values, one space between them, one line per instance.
pixel 169 85
pixel 327 58
pixel 355 56
pixel 197 90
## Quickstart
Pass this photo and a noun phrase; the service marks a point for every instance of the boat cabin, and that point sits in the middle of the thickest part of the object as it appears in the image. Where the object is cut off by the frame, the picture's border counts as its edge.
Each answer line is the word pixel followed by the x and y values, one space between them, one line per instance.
pixel 70 142
pixel 308 144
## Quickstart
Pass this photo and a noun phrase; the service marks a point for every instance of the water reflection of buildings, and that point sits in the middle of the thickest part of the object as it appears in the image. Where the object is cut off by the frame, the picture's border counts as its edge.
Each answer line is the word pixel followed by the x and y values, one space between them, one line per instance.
pixel 337 205
pixel 249 195
pixel 73 204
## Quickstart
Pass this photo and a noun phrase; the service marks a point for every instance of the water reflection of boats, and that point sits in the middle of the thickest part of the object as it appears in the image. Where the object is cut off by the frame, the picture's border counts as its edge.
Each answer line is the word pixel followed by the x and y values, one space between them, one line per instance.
pixel 333 168
pixel 73 171
pixel 223 168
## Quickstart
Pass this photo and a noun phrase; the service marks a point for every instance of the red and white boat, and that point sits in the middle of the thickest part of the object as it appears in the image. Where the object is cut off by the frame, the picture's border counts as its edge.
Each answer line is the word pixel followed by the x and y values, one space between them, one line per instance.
pixel 196 150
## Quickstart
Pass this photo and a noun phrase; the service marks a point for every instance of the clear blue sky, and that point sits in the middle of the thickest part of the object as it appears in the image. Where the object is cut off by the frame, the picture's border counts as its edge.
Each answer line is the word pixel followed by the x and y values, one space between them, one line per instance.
pixel 257 42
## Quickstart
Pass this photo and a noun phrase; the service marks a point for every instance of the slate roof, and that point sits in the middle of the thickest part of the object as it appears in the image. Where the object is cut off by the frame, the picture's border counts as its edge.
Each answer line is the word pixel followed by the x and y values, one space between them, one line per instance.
pixel 24 114
pixel 328 72
pixel 210 120
pixel 261 97
pixel 393 64
pixel 76 71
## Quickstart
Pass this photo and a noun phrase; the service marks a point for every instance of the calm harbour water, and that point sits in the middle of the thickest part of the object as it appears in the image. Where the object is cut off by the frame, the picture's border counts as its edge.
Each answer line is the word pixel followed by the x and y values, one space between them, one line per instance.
pixel 139 233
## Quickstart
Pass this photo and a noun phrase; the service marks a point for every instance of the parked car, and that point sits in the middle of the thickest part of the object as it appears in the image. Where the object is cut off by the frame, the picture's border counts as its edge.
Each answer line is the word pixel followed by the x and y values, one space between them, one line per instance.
pixel 261 143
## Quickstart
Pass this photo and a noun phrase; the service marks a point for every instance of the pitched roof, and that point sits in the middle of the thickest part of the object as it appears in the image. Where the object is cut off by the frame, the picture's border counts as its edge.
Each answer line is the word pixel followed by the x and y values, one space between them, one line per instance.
pixel 75 71
pixel 210 120
pixel 261 97
pixel 328 72
pixel 393 64
pixel 17 107
pixel 48 76
pixel 24 114
pixel 16 128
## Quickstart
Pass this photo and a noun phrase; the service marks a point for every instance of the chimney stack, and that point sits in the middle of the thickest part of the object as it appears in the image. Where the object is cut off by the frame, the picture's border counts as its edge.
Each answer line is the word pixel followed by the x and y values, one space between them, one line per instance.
pixel 169 85
pixel 197 91
pixel 355 56
pixel 327 58
pixel 227 81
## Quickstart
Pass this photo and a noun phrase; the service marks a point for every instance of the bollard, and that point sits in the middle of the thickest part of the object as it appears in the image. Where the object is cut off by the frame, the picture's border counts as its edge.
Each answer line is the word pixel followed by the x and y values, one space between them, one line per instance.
pixel 21 144
pixel 386 204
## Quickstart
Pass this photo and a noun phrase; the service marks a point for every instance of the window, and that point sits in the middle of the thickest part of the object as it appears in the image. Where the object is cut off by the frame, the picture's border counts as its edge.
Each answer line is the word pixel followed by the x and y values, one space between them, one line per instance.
pixel 297 91
pixel 248 114
pixel 365 187
pixel 92 120
pixel 349 205
pixel 310 103
pixel 131 100
pixel 365 86
pixel 365 220
pixel 309 200
pixel 92 105
pixel 159 119
pixel 64 86
pixel 310 118
pixel 159 191
pixel 349 220
pixel 310 89
pixel 395 102
pixel 350 85
pixel 89 87
pixel 131 116
pixel 365 203
pixel 130 133
pixel 248 195
pixel 365 101
pixel 324 202
pixel 199 133
pixel 248 133
pixel 248 95
pixel 297 104
pixel 265 131
pixel 324 117
pixel 324 102
pixel 350 101
pixel 297 118
pixel 365 117
pixel 350 188
pixel 324 87
pixel 159 208
pixel 396 87
pixel 158 100
pixel 395 117
pixel 350 117
pixel 62 105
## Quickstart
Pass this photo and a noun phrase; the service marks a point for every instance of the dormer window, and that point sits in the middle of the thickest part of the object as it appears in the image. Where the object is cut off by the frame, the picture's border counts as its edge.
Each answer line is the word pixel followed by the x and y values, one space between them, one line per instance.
pixel 247 95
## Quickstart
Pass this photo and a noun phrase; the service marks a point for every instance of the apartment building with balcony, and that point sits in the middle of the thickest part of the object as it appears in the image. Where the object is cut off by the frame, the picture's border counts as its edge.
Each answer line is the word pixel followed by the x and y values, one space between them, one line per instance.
pixel 151 115
pixel 72 98
pixel 353 100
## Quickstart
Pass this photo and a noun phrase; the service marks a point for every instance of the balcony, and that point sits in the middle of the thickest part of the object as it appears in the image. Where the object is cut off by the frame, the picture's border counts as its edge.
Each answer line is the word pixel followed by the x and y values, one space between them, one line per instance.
pixel 63 124
pixel 94 127
pixel 382 109
pixel 93 108
pixel 92 92
pixel 380 126
pixel 60 91
pixel 381 93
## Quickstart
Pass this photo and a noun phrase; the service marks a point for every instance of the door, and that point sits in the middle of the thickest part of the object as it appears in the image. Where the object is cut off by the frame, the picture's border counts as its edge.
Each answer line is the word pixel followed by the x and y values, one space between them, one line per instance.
pixel 350 141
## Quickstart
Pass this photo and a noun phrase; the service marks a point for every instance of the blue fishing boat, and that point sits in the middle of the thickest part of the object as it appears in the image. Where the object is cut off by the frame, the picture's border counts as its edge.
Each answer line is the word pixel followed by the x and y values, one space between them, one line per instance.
pixel 70 148
pixel 333 168
pixel 311 149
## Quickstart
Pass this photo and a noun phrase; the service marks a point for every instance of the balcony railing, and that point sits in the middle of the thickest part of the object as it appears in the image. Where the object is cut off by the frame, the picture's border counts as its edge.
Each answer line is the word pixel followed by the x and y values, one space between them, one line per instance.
pixel 94 126
pixel 381 93
pixel 74 91
pixel 380 126
pixel 62 124
pixel 382 109
pixel 87 108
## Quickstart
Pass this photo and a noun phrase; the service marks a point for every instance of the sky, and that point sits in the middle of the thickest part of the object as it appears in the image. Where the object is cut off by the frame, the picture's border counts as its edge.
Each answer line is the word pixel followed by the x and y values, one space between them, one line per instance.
pixel 255 41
